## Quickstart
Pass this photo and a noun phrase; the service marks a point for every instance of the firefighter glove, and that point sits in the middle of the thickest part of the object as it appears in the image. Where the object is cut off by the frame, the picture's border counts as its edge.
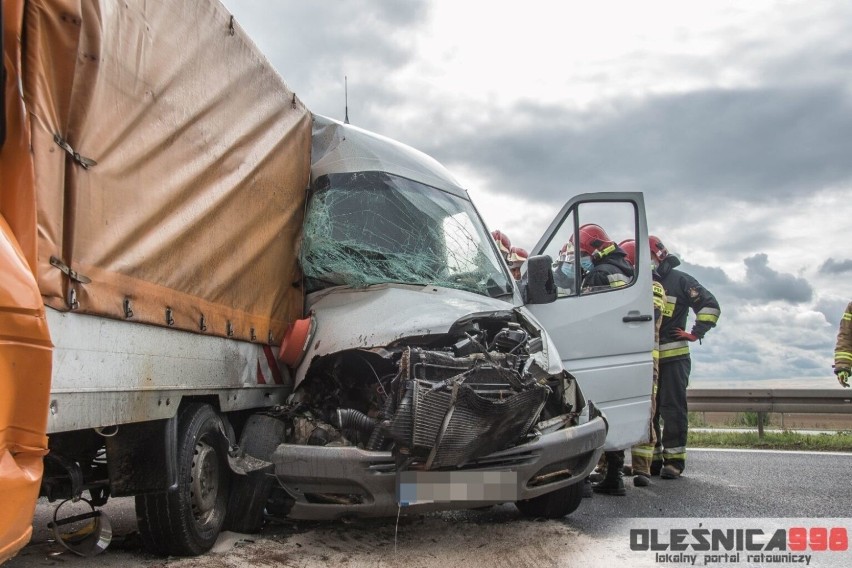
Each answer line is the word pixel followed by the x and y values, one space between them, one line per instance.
pixel 843 377
pixel 681 334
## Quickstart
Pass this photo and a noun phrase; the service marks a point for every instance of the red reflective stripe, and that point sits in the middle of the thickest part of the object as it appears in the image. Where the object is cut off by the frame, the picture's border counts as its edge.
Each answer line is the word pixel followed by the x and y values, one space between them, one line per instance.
pixel 273 365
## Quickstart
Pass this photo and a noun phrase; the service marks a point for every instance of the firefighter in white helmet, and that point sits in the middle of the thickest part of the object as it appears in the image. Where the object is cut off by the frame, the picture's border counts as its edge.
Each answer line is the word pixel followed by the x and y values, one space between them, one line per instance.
pixel 516 258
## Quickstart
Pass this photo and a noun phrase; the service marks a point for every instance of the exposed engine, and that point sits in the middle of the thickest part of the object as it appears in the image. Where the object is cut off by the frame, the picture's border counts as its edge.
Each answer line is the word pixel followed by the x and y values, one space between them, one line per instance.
pixel 435 402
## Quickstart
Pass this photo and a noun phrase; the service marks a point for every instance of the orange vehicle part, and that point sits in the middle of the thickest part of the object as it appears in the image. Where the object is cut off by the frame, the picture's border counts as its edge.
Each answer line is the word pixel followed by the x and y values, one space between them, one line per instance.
pixel 25 366
pixel 25 347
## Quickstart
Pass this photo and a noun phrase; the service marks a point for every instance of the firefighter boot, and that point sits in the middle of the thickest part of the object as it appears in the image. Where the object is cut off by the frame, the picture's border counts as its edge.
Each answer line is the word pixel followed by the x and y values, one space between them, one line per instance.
pixel 670 471
pixel 613 483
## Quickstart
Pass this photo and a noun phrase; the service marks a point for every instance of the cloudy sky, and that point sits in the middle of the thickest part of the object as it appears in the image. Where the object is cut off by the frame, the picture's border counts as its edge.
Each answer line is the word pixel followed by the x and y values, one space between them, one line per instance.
pixel 733 118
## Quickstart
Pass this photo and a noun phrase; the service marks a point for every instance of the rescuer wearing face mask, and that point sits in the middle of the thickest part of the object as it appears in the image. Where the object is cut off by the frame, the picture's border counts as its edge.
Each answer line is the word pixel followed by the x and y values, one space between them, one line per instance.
pixel 605 267
pixel 683 293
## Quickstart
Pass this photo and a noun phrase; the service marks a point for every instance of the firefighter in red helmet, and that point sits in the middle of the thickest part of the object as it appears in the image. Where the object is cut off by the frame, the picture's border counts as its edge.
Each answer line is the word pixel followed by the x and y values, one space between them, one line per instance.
pixel 683 293
pixel 602 260
pixel 605 267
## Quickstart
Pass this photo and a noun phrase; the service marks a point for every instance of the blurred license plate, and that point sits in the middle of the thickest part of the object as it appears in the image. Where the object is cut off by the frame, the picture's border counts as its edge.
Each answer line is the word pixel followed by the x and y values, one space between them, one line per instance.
pixel 415 487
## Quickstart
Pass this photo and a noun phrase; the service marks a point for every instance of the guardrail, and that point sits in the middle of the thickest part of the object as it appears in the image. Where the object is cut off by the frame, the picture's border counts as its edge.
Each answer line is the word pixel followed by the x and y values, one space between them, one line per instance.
pixel 761 401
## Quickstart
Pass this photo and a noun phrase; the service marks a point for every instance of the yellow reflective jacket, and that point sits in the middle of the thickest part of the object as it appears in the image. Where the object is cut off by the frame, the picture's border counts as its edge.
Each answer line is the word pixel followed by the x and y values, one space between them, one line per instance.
pixel 843 350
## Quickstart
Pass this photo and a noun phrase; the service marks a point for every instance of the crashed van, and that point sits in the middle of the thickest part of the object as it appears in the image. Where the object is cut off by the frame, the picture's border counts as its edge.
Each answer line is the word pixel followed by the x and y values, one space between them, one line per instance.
pixel 425 377
pixel 221 305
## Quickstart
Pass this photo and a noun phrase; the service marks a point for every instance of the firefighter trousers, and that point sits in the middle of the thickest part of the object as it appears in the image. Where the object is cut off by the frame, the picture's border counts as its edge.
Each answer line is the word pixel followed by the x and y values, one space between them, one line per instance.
pixel 641 455
pixel 670 419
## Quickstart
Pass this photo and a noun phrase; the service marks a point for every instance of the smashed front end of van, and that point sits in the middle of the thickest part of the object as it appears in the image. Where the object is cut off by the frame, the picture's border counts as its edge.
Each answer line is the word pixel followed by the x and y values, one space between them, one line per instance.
pixel 423 383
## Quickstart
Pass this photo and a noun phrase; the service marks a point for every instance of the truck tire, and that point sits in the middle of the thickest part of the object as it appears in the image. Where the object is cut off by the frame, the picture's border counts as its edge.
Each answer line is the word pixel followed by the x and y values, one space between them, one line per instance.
pixel 553 505
pixel 249 493
pixel 186 522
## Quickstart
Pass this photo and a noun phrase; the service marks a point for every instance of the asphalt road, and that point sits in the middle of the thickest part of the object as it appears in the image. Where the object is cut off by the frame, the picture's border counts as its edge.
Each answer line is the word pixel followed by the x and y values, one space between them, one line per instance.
pixel 721 488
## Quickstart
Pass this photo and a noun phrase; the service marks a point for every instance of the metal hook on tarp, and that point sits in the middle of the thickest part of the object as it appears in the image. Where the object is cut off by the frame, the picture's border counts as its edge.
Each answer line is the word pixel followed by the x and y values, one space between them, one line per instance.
pixel 82 160
pixel 89 540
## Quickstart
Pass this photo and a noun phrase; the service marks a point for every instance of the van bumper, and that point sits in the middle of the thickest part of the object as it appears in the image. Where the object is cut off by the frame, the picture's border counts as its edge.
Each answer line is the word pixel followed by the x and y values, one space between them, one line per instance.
pixel 329 482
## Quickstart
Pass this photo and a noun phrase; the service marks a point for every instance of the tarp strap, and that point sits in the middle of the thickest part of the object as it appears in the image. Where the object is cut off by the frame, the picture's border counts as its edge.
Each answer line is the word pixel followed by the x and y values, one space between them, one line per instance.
pixel 67 270
pixel 82 160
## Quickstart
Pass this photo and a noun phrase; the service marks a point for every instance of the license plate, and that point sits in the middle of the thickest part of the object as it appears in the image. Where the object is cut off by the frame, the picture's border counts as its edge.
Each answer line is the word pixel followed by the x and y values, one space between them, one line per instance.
pixel 417 487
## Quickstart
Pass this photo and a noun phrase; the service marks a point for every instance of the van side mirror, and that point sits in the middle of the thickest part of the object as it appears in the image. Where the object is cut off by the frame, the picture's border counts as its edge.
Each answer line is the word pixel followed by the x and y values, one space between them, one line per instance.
pixel 537 284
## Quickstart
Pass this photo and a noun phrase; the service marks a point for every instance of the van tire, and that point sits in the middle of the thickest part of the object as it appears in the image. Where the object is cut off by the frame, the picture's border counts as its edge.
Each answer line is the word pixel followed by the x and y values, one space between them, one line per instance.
pixel 554 505
pixel 187 521
pixel 249 493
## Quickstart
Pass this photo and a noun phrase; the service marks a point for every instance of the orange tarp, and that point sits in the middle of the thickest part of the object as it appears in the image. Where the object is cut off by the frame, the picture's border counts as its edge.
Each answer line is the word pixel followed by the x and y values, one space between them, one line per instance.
pixel 170 165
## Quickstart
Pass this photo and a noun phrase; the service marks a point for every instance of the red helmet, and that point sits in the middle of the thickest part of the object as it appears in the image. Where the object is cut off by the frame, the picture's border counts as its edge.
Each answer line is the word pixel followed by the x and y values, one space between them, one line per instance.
pixel 516 257
pixel 503 242
pixel 594 240
pixel 629 248
pixel 658 250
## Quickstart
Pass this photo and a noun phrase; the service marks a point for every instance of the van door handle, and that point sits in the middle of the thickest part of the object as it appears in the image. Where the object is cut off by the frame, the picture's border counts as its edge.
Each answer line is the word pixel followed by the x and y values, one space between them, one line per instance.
pixel 628 319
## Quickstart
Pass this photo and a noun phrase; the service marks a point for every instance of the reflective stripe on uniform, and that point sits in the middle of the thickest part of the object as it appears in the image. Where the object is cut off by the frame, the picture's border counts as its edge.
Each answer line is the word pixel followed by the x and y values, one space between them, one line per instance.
pixel 842 356
pixel 676 453
pixel 708 314
pixel 659 295
pixel 655 354
pixel 668 309
pixel 617 280
pixel 674 353
pixel 674 349
pixel 847 316
pixel 644 451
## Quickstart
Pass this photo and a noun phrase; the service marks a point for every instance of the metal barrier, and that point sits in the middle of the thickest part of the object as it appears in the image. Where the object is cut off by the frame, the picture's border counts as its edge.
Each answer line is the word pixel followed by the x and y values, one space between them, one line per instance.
pixel 761 401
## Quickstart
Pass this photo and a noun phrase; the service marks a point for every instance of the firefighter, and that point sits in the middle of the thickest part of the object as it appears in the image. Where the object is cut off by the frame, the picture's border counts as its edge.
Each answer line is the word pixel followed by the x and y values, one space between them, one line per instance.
pixel 516 258
pixel 642 454
pixel 683 292
pixel 606 268
pixel 503 243
pixel 843 350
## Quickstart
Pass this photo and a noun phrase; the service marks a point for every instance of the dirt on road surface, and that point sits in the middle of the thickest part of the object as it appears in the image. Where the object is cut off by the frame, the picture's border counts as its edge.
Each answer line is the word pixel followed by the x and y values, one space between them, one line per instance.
pixel 495 538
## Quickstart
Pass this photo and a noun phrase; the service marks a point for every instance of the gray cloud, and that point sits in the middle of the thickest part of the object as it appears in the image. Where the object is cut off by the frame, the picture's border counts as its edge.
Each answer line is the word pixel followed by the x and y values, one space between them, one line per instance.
pixel 832 266
pixel 832 309
pixel 761 283
pixel 314 44
pixel 754 145
pixel 765 283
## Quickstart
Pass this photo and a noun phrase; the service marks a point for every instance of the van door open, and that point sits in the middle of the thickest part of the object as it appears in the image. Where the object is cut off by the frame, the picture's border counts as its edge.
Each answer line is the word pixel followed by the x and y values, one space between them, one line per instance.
pixel 604 334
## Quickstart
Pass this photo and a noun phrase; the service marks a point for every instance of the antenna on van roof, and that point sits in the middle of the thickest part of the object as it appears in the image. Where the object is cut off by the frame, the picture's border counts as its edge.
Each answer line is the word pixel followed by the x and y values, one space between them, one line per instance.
pixel 346 99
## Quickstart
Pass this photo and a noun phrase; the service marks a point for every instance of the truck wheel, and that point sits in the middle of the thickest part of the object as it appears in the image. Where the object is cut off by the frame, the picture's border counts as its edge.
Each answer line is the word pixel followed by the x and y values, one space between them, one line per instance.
pixel 553 505
pixel 249 493
pixel 187 521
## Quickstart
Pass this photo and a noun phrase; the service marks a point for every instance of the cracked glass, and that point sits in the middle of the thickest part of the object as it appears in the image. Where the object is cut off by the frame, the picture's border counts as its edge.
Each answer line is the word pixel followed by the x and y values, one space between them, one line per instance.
pixel 369 228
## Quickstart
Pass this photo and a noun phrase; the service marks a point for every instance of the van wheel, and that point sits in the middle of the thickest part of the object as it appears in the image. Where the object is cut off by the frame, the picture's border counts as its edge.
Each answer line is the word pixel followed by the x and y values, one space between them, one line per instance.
pixel 249 493
pixel 187 521
pixel 553 505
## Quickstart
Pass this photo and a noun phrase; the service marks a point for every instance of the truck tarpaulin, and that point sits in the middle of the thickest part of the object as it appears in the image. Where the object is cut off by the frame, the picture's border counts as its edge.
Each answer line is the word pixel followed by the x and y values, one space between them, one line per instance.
pixel 170 164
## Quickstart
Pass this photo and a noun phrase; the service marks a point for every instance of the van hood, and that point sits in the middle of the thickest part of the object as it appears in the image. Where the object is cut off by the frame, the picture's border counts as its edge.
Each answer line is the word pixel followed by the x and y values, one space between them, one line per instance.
pixel 377 316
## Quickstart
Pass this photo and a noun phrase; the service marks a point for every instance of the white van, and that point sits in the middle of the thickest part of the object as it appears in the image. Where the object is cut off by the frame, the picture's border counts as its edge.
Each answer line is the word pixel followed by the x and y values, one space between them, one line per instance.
pixel 430 379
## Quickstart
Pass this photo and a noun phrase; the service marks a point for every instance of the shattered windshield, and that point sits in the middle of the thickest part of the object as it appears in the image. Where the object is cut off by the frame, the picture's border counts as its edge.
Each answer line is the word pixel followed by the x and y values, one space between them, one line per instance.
pixel 372 227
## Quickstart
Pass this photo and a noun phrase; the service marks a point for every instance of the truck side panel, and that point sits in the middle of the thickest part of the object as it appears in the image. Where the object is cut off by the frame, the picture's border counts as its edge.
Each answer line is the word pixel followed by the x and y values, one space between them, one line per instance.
pixel 108 372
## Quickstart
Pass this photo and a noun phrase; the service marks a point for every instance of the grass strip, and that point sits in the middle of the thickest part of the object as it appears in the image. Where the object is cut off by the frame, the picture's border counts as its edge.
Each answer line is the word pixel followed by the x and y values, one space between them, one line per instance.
pixel 787 440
